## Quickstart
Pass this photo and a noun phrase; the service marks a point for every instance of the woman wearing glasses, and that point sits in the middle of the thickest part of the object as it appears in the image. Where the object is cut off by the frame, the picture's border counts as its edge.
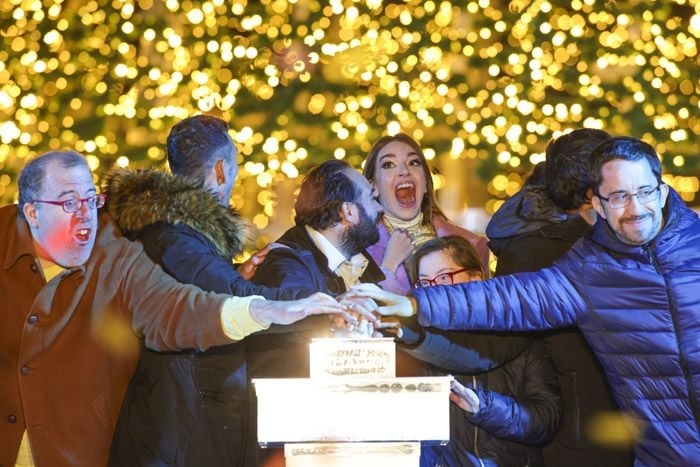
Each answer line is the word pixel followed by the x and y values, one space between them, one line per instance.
pixel 506 394
pixel 397 168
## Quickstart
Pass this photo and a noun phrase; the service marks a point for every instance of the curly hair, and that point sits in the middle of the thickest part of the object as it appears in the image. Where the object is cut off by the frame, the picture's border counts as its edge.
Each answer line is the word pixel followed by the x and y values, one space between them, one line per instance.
pixel 567 175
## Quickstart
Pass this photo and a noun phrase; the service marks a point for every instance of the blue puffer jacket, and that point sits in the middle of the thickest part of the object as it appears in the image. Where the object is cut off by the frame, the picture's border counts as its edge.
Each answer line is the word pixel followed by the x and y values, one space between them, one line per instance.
pixel 639 309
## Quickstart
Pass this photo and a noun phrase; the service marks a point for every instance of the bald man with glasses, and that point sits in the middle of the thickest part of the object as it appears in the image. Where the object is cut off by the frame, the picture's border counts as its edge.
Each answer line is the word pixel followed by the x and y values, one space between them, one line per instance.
pixel 75 297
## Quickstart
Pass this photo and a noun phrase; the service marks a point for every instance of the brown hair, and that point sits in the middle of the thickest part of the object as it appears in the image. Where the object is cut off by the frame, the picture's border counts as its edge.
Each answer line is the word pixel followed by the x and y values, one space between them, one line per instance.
pixel 324 190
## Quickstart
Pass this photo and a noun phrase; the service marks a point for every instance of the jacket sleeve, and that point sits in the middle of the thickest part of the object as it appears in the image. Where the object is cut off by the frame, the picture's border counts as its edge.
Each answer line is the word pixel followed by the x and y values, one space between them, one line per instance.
pixel 530 301
pixel 190 258
pixel 283 268
pixel 467 352
pixel 533 415
pixel 168 314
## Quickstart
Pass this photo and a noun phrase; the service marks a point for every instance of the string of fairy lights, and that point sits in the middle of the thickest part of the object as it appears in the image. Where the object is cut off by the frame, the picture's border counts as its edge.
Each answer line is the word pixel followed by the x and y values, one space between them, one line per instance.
pixel 301 81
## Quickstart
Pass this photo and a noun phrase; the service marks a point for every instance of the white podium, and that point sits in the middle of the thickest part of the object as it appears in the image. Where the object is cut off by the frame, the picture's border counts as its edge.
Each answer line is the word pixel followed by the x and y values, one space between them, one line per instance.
pixel 353 410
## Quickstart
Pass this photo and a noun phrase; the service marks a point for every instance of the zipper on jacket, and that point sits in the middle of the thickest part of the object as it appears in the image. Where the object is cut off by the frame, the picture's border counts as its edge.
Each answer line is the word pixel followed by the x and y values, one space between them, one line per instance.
pixel 676 332
pixel 476 429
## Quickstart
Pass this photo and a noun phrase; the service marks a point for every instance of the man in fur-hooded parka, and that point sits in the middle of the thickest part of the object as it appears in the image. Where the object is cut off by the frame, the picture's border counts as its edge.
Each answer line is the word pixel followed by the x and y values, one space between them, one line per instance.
pixel 187 408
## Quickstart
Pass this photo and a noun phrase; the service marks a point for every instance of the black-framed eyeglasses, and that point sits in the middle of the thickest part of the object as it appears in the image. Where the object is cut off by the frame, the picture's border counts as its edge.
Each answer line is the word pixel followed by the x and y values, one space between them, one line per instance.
pixel 444 278
pixel 75 204
pixel 645 195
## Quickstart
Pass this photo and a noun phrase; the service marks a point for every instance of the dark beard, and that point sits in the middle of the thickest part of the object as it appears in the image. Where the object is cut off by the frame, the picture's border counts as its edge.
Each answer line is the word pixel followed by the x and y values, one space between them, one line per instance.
pixel 360 236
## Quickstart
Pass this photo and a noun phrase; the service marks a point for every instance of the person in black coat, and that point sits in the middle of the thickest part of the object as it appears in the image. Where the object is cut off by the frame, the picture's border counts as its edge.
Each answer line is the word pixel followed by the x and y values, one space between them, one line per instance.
pixel 531 230
pixel 336 215
pixel 506 393
pixel 188 408
pixel 336 219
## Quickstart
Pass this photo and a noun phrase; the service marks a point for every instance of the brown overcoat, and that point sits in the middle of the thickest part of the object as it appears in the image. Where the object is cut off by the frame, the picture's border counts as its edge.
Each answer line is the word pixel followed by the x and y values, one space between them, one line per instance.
pixel 66 346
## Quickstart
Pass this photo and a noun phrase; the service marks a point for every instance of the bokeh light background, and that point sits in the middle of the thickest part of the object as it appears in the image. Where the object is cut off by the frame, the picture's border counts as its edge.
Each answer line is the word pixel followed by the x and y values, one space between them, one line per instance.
pixel 483 85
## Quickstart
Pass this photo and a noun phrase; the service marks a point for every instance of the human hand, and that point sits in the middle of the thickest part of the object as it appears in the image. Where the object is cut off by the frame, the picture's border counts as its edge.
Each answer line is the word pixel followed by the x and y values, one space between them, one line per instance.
pixel 391 325
pixel 407 330
pixel 363 329
pixel 248 267
pixel 362 308
pixel 268 312
pixel 398 249
pixel 359 306
pixel 465 398
pixel 393 304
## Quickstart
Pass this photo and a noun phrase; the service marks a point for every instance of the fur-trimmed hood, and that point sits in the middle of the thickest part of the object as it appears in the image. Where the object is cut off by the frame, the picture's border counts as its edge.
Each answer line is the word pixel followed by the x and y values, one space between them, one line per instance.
pixel 137 199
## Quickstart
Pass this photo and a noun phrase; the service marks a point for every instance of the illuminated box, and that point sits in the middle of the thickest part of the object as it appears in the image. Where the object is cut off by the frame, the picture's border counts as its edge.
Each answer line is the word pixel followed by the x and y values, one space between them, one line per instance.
pixel 352 358
pixel 357 409
pixel 352 454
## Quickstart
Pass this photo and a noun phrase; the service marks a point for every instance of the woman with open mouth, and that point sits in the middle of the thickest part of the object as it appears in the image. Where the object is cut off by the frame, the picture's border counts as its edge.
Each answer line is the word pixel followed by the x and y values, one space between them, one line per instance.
pixel 398 169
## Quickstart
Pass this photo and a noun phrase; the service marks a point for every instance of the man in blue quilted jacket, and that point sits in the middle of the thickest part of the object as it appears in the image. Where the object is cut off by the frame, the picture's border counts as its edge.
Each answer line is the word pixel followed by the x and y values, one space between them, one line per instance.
pixel 631 286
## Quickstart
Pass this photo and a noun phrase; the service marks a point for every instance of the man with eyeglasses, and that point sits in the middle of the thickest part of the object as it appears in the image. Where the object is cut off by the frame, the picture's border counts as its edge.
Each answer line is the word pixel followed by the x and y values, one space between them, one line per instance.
pixel 631 286
pixel 75 295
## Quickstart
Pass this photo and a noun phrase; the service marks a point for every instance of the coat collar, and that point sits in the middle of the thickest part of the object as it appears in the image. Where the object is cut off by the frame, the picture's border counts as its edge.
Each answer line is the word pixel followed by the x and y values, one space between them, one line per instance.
pixel 297 238
pixel 137 199
pixel 19 240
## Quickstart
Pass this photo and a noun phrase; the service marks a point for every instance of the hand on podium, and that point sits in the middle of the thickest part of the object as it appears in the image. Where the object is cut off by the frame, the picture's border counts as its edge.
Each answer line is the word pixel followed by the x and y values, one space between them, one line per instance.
pixel 268 312
pixel 406 330
pixel 393 304
pixel 465 398
pixel 363 310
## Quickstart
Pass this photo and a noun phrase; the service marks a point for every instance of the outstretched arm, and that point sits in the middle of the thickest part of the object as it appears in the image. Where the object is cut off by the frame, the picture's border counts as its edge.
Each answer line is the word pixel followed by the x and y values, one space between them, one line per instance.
pixel 287 312
pixel 467 352
pixel 531 301
pixel 173 316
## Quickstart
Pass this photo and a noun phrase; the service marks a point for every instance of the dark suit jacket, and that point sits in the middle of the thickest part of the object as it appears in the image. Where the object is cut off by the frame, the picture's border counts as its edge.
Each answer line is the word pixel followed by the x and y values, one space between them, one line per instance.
pixel 282 351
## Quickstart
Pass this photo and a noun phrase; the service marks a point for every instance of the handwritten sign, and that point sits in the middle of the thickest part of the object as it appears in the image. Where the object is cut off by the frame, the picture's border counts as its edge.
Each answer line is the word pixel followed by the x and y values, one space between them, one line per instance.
pixel 337 358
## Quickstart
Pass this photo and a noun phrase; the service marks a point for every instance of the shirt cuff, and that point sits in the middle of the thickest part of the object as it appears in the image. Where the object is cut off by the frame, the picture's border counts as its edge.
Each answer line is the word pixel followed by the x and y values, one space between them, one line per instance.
pixel 236 320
